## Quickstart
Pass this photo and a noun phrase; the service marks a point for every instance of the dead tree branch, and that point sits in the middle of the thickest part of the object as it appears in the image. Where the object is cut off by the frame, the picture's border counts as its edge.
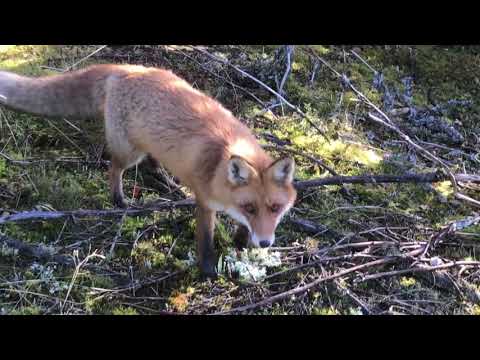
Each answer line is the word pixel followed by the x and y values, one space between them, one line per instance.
pixel 36 251
pixel 28 162
pixel 313 284
pixel 387 122
pixel 289 49
pixel 218 76
pixel 474 264
pixel 188 203
pixel 378 179
pixel 47 215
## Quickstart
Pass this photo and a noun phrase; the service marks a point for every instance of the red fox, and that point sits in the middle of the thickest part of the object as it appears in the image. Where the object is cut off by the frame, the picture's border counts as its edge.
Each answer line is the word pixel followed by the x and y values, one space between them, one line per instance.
pixel 151 111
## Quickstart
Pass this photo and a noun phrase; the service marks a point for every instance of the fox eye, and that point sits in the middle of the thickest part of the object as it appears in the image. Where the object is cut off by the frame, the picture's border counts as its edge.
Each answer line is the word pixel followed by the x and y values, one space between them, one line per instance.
pixel 275 208
pixel 250 208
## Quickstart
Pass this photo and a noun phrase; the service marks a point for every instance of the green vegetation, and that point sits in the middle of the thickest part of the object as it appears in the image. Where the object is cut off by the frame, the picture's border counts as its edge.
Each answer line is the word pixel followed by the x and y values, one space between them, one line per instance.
pixel 147 263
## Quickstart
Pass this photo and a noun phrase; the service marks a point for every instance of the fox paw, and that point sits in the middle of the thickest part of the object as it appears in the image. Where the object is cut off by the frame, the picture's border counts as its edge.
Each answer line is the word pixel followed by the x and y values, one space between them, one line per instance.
pixel 208 271
pixel 119 201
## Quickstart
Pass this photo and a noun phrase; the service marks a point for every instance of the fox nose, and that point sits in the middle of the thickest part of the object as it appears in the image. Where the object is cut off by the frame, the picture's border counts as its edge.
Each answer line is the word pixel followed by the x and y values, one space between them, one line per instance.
pixel 264 243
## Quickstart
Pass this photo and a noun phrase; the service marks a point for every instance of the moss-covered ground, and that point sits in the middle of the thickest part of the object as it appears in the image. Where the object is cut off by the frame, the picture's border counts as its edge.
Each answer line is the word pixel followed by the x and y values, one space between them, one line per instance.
pixel 149 270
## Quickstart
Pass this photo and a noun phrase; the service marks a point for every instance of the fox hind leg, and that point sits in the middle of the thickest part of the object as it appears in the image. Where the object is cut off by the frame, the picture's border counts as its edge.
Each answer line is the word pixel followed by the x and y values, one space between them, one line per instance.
pixel 123 157
pixel 117 168
pixel 116 184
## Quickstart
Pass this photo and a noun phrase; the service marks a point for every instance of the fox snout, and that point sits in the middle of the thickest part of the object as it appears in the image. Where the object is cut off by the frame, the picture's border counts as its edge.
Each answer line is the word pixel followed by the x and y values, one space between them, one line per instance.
pixel 262 241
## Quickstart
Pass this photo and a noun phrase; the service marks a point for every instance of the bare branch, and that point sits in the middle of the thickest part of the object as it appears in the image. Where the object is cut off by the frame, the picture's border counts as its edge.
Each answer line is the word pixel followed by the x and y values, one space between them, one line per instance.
pixel 28 162
pixel 378 179
pixel 305 288
pixel 85 58
pixel 188 203
pixel 289 50
pixel 36 251
pixel 475 264
pixel 387 122
pixel 47 215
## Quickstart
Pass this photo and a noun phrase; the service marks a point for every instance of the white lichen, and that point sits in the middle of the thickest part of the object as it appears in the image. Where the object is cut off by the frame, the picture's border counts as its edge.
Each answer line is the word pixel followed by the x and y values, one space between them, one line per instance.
pixel 249 264
pixel 46 276
pixel 7 251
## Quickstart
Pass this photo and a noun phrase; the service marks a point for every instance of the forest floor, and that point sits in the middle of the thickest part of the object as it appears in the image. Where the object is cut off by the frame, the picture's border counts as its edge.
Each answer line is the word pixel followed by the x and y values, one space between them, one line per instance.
pixel 385 248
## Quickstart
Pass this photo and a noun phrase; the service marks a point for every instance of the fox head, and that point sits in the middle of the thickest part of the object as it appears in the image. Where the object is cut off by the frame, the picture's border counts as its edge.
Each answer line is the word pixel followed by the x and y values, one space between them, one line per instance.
pixel 257 199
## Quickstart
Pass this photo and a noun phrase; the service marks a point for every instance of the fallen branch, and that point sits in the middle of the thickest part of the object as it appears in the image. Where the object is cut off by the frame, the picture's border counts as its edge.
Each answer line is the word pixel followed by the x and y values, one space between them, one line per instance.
pixel 429 118
pixel 289 49
pixel 47 215
pixel 188 203
pixel 468 199
pixel 475 264
pixel 78 266
pixel 353 296
pixel 38 252
pixel 85 58
pixel 28 162
pixel 217 76
pixel 449 229
pixel 378 179
pixel 304 288
pixel 387 122
pixel 323 260
pixel 316 65
pixel 313 228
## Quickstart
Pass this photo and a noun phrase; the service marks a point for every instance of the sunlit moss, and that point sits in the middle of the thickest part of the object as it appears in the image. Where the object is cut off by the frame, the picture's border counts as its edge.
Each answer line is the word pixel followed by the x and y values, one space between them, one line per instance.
pixel 2 168
pixel 148 256
pixel 122 310
pixel 321 50
pixel 5 48
pixel 325 311
pixel 407 282
pixel 27 310
pixel 444 187
pixel 338 148
pixel 72 187
pixel 25 59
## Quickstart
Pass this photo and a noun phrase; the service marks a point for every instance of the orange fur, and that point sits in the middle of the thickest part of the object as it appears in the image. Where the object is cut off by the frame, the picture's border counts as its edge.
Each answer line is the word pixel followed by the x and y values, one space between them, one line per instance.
pixel 150 111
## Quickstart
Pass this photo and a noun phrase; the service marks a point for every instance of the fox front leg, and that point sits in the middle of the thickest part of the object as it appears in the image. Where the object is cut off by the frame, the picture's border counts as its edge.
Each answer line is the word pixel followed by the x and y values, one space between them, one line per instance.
pixel 207 259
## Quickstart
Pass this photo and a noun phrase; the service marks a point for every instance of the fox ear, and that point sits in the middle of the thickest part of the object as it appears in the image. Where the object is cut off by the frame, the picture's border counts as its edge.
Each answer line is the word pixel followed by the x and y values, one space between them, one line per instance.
pixel 282 170
pixel 239 171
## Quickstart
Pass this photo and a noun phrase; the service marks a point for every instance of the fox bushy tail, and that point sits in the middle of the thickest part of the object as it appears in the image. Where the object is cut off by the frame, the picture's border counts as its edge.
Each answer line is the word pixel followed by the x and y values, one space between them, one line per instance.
pixel 76 94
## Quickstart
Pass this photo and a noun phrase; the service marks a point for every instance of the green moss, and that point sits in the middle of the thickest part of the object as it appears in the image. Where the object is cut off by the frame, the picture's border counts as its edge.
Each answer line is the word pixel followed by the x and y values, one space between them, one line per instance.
pixel 90 279
pixel 146 255
pixel 131 226
pixel 352 150
pixel 27 310
pixel 407 282
pixel 98 305
pixel 38 232
pixel 124 311
pixel 475 310
pixel 3 168
pixel 325 311
pixel 25 59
